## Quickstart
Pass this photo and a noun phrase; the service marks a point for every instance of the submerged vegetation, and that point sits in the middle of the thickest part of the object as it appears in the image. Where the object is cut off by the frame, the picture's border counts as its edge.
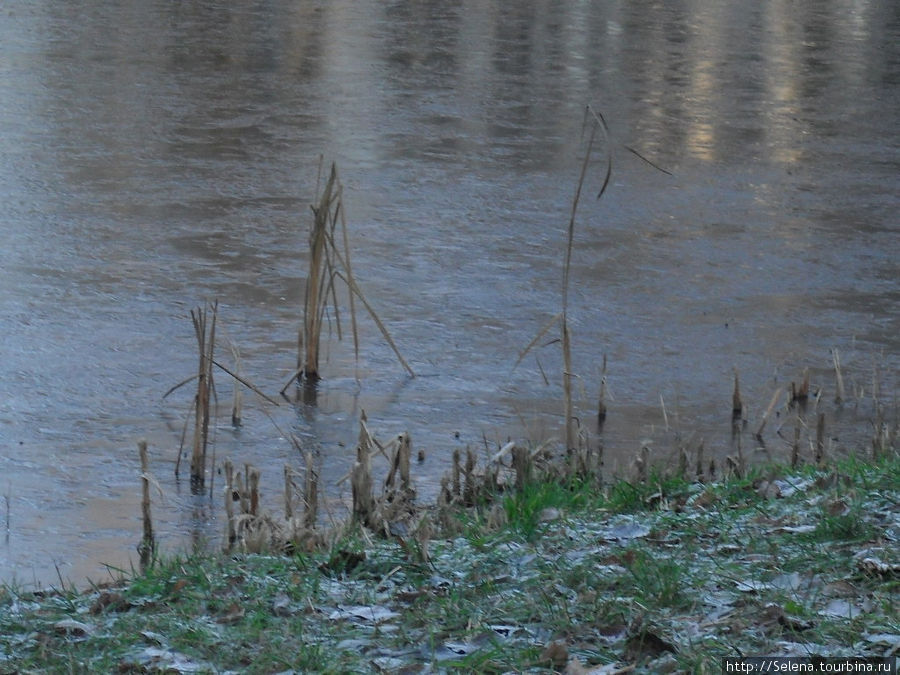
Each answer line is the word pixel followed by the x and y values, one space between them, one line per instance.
pixel 668 575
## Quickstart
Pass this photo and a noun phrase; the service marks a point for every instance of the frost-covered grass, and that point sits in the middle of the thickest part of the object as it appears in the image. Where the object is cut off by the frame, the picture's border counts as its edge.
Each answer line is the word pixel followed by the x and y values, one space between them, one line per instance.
pixel 667 576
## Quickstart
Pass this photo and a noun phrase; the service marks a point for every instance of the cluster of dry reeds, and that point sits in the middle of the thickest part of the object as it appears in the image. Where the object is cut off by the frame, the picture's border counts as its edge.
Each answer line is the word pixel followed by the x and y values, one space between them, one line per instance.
pixel 329 262
pixel 796 406
pixel 205 321
pixel 205 332
pixel 393 509
pixel 250 529
pixel 390 513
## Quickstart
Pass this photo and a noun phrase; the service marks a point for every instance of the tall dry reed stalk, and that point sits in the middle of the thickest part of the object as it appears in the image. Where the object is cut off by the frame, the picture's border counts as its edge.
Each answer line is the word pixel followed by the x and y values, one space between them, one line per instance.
pixel 328 264
pixel 148 542
pixel 596 122
pixel 320 276
pixel 839 395
pixel 204 319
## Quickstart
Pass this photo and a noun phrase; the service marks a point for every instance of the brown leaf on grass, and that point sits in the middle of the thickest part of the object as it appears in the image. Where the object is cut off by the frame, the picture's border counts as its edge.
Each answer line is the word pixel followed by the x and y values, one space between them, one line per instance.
pixel 795 623
pixel 773 618
pixel 837 507
pixel 795 529
pixel 752 586
pixel 556 653
pixel 707 498
pixel 343 562
pixel 831 480
pixel 108 601
pixel 549 514
pixel 157 660
pixel 73 628
pixel 611 633
pixel 875 566
pixel 889 640
pixel 179 586
pixel 281 605
pixel 232 614
pixel 646 644
pixel 841 589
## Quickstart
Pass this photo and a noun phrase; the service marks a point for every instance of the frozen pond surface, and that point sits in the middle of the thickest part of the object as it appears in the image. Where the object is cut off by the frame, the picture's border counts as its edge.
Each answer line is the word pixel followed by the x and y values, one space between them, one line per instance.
pixel 161 154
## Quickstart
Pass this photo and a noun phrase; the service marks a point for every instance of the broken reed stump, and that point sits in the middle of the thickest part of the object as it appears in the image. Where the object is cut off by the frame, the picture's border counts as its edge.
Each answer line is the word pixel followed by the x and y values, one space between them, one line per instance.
pixel 795 446
pixel 737 406
pixel 241 494
pixel 288 492
pixel 253 486
pixel 683 461
pixel 400 465
pixel 839 379
pixel 455 476
pixel 311 494
pixel 237 393
pixel 641 464
pixel 231 496
pixel 521 466
pixel 469 487
pixel 361 478
pixel 801 394
pixel 205 332
pixel 765 417
pixel 820 440
pixel 700 467
pixel 882 442
pixel 601 402
pixel 148 542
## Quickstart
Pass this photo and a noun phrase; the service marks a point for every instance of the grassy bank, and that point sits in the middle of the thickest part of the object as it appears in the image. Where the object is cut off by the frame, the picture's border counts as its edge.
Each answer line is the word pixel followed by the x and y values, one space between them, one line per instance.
pixel 662 576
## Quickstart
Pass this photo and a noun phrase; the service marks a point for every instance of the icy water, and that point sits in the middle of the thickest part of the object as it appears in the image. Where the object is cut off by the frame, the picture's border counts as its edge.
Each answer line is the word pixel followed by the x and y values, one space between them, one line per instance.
pixel 156 155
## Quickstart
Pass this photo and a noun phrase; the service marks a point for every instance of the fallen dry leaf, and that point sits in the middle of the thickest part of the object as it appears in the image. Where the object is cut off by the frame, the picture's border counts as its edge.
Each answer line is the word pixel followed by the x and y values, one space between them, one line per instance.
pixel 72 627
pixel 646 645
pixel 233 614
pixel 374 613
pixel 556 653
pixel 114 602
pixel 872 565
